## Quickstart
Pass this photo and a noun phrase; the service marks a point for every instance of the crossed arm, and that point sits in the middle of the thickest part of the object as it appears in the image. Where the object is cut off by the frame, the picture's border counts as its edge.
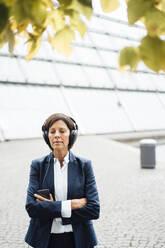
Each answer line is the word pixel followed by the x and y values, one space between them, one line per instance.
pixel 82 209
pixel 75 203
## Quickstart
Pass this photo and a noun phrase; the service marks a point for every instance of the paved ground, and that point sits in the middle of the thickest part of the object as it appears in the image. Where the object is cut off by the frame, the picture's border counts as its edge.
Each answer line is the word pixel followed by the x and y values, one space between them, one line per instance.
pixel 132 199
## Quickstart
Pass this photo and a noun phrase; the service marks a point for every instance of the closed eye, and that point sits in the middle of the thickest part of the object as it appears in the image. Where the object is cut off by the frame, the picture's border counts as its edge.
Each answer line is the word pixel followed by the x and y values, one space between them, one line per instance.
pixel 61 131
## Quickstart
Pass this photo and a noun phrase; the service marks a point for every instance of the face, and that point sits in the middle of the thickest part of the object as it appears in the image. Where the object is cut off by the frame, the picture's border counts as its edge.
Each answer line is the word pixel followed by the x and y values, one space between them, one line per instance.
pixel 59 135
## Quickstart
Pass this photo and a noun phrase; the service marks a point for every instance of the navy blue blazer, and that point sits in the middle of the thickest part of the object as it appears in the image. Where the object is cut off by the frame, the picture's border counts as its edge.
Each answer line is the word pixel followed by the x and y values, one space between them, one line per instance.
pixel 81 183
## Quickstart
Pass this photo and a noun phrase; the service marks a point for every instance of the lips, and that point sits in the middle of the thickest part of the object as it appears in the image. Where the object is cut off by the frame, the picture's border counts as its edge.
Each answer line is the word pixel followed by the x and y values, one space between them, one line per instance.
pixel 57 142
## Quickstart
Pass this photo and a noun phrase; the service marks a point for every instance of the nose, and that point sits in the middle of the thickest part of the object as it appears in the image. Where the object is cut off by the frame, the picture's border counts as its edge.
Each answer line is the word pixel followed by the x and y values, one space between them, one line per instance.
pixel 57 134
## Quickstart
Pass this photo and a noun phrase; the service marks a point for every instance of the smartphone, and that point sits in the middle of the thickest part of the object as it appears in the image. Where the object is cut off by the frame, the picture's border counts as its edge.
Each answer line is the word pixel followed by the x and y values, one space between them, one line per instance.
pixel 44 192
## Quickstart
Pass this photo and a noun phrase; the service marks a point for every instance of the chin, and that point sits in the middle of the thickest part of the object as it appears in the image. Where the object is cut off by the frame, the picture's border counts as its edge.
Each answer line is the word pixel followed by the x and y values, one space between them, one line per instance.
pixel 58 147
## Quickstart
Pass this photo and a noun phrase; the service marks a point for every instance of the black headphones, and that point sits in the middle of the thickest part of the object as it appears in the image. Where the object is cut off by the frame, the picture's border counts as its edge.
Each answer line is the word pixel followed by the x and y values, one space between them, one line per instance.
pixel 73 133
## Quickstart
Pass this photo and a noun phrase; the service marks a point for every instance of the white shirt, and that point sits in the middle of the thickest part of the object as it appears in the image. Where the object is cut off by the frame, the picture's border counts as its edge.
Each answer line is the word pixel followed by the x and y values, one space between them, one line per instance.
pixel 60 189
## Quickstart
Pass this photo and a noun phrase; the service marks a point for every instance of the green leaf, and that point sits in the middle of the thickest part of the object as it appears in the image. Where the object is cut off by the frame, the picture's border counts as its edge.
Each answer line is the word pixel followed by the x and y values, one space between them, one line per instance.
pixel 155 22
pixel 8 36
pixel 21 28
pixel 11 40
pixel 19 11
pixel 8 3
pixel 128 57
pixel 56 19
pixel 3 39
pixel 35 10
pixel 137 9
pixel 62 40
pixel 34 44
pixel 77 24
pixel 38 11
pixel 109 5
pixel 81 8
pixel 86 2
pixel 152 52
pixel 64 3
pixel 160 5
pixel 4 15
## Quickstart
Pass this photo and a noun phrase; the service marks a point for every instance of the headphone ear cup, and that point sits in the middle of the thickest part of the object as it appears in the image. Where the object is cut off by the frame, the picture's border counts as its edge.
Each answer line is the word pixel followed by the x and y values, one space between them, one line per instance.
pixel 72 137
pixel 45 136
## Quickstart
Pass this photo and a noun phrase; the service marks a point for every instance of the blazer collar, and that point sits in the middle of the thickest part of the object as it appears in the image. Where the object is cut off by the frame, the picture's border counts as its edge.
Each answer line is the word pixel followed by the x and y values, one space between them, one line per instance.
pixel 72 157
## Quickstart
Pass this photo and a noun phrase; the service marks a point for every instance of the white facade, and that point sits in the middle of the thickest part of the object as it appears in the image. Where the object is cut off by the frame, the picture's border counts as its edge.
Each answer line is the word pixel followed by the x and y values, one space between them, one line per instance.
pixel 87 86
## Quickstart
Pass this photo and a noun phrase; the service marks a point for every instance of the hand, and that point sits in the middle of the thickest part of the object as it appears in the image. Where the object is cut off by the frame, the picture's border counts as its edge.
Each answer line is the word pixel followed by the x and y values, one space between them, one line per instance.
pixel 78 203
pixel 41 198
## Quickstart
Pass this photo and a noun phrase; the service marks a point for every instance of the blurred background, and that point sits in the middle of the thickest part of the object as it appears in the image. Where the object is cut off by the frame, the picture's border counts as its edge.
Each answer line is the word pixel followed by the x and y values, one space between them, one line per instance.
pixel 87 86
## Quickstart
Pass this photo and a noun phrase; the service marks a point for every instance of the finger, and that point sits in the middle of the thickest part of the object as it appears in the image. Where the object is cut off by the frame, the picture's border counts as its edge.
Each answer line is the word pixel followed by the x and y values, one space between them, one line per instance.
pixel 51 197
pixel 37 200
pixel 40 197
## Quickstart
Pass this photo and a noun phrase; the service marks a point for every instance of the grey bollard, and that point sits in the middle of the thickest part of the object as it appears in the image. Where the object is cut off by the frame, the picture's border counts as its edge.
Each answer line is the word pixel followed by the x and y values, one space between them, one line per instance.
pixel 147 153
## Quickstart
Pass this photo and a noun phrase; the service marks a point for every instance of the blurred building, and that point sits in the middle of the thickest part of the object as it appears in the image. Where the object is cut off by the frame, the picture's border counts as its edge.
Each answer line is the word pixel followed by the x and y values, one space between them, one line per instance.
pixel 87 86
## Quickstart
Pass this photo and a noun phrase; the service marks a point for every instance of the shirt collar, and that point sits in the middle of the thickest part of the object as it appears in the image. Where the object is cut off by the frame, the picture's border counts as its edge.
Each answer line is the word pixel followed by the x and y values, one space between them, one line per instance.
pixel 66 159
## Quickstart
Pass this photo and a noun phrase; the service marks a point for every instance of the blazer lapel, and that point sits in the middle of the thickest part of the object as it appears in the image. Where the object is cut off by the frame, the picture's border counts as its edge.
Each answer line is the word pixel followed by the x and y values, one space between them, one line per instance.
pixel 71 174
pixel 48 182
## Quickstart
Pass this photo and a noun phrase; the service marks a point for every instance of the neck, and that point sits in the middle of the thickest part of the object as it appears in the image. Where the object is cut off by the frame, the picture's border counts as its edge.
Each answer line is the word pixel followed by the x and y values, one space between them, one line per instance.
pixel 60 154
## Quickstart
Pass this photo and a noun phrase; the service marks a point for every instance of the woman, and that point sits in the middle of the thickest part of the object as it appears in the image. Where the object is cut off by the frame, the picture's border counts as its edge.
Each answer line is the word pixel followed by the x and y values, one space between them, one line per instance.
pixel 65 219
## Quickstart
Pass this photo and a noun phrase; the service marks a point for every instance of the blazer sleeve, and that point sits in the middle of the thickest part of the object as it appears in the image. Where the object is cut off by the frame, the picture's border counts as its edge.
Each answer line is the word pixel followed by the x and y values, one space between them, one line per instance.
pixel 39 209
pixel 92 209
